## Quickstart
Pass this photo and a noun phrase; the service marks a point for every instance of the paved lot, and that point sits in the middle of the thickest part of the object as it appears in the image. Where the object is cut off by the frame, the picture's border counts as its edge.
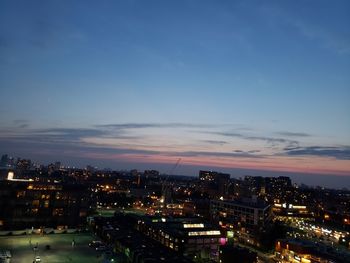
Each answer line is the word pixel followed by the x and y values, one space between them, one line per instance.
pixel 61 249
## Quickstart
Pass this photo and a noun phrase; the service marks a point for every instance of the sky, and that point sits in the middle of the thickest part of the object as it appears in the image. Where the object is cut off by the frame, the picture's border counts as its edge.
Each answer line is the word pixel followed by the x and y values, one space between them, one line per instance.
pixel 223 85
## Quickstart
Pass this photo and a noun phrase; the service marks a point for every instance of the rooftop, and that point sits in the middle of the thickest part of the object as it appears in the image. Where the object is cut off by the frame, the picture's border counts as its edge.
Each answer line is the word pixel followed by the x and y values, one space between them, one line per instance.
pixel 251 203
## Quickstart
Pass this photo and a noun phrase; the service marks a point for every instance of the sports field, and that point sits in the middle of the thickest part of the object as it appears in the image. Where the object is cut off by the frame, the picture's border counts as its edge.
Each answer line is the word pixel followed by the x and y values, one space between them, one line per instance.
pixel 61 249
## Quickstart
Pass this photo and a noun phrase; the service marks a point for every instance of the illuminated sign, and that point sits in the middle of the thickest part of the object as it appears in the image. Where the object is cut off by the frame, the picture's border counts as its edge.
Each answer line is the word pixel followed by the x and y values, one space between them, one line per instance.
pixel 223 241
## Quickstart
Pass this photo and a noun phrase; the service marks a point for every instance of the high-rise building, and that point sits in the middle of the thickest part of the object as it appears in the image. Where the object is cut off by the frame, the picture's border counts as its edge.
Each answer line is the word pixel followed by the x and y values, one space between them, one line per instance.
pixel 4 160
pixel 214 183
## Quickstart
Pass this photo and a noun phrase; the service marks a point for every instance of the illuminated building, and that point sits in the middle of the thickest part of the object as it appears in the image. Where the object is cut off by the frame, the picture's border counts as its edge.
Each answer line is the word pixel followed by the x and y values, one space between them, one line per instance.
pixel 151 174
pixel 279 188
pixel 189 236
pixel 293 250
pixel 252 215
pixel 291 210
pixel 252 185
pixel 246 219
pixel 173 209
pixel 27 204
pixel 271 187
pixel 214 183
pixel 131 245
pixel 23 165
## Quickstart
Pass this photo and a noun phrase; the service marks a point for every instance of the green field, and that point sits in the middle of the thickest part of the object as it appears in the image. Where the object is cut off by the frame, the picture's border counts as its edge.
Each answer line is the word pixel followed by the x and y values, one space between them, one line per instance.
pixel 61 249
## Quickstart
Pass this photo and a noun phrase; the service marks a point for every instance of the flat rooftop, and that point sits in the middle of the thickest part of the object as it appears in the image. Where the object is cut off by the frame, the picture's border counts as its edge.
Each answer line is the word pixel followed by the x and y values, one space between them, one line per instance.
pixel 244 203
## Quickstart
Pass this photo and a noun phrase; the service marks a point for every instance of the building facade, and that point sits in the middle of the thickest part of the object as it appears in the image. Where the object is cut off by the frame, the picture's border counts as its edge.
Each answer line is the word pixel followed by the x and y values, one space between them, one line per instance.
pixel 188 236
pixel 34 204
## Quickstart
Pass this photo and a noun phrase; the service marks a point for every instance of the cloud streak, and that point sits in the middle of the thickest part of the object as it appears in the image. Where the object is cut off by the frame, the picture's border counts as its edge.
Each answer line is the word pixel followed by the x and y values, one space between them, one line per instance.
pixel 340 153
pixel 234 154
pixel 270 140
pixel 293 134
pixel 215 142
pixel 152 125
pixel 337 42
pixel 21 124
pixel 142 142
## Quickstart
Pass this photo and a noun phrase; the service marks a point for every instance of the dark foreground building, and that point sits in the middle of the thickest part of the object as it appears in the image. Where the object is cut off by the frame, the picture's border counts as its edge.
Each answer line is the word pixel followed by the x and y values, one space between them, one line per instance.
pixel 29 204
pixel 230 254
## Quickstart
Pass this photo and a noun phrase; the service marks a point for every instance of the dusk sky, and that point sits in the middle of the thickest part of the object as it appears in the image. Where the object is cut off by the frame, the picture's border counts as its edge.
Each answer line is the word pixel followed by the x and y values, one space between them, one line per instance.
pixel 252 85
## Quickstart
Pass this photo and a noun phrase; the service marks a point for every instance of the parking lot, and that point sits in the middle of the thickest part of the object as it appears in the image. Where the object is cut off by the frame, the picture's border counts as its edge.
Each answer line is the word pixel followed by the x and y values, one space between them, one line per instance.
pixel 52 248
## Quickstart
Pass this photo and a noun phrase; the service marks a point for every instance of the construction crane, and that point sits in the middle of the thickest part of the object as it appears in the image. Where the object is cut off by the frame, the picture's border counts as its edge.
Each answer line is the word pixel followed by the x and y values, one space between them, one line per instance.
pixel 166 188
pixel 174 167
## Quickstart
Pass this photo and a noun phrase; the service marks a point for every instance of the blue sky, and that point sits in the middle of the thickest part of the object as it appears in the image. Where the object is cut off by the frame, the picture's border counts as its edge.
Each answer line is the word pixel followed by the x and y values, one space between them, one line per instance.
pixel 213 77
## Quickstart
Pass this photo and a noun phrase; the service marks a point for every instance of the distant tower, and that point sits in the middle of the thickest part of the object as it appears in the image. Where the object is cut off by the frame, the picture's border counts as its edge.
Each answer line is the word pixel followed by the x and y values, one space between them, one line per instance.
pixel 138 180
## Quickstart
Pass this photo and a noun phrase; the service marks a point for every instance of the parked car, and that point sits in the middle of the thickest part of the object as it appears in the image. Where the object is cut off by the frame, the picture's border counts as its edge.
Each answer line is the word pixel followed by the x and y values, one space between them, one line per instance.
pixel 101 248
pixel 95 243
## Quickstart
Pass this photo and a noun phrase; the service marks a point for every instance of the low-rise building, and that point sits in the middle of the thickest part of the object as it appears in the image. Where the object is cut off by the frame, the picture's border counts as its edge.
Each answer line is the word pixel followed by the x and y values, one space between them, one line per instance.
pixel 36 204
pixel 297 250
pixel 189 236
pixel 251 214
pixel 246 219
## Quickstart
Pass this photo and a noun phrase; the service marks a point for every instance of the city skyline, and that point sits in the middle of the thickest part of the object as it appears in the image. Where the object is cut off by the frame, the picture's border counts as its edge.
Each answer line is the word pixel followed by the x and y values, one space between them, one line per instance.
pixel 242 85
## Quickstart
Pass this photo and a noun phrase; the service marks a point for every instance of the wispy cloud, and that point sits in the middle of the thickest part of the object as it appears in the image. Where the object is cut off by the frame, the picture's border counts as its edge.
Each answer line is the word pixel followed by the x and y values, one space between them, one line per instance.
pixel 233 154
pixel 341 153
pixel 215 142
pixel 135 142
pixel 53 147
pixel 52 135
pixel 66 134
pixel 337 42
pixel 153 125
pixel 293 134
pixel 327 35
pixel 270 140
pixel 21 124
pixel 75 139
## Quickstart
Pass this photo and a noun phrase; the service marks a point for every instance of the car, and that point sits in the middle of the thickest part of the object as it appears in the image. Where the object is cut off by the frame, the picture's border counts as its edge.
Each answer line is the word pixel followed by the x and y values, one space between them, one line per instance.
pixel 101 248
pixel 37 259
pixel 95 243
